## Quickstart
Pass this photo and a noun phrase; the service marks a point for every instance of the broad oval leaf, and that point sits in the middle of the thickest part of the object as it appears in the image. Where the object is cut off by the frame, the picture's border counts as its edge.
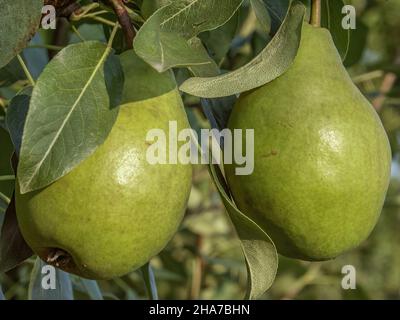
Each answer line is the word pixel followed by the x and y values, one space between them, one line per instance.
pixel 258 249
pixel 72 111
pixel 63 284
pixel 273 61
pixel 331 18
pixel 19 22
pixel 163 39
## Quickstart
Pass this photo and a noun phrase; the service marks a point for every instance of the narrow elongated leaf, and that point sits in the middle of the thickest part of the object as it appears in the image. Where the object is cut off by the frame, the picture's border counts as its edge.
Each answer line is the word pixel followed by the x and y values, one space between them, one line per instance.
pixel 62 289
pixel 16 115
pixel 258 249
pixel 13 248
pixel 273 61
pixel 277 11
pixel 71 113
pixel 92 288
pixel 331 18
pixel 163 40
pixel 149 281
pixel 19 22
pixel 2 294
pixel 262 14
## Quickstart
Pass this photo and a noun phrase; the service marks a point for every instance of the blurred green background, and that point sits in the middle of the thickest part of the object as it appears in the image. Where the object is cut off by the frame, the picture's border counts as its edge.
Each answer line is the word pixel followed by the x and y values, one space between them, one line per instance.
pixel 204 260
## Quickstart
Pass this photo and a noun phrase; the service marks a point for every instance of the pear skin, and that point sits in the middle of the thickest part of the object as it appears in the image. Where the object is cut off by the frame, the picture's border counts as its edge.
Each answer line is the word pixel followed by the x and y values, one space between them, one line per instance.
pixel 321 156
pixel 114 211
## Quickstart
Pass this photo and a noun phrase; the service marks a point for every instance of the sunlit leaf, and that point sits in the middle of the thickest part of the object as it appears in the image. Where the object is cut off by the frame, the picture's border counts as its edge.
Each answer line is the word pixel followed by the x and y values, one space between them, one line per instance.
pixel 273 61
pixel 258 249
pixel 72 110
pixel 163 39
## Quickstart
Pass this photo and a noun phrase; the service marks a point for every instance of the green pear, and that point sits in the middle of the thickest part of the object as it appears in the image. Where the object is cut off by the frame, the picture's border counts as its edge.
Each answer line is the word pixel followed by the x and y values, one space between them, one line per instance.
pixel 115 210
pixel 321 156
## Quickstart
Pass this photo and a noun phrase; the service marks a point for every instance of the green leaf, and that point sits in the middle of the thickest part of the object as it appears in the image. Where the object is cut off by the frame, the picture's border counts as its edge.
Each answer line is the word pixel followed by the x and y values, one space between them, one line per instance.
pixel 138 76
pixel 262 14
pixel 11 73
pixel 270 12
pixel 19 22
pixel 273 61
pixel 208 69
pixel 331 18
pixel 92 288
pixel 150 6
pixel 63 284
pixel 16 115
pixel 163 39
pixel 6 151
pixel 258 249
pixel 218 41
pixel 218 110
pixel 149 281
pixel 72 111
pixel 13 248
pixel 357 44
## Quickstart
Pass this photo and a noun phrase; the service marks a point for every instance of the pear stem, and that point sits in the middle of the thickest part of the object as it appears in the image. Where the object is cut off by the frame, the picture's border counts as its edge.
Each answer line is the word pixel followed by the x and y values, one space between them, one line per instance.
pixel 316 13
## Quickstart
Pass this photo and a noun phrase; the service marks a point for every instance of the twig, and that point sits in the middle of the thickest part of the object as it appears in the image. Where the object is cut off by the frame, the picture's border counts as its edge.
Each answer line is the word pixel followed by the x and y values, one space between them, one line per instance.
pixel 26 71
pixel 60 36
pixel 64 8
pixel 316 13
pixel 124 21
pixel 7 178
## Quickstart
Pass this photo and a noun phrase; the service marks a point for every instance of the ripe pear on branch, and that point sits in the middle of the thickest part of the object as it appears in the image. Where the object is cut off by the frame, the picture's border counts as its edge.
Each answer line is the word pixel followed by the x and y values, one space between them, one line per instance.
pixel 322 158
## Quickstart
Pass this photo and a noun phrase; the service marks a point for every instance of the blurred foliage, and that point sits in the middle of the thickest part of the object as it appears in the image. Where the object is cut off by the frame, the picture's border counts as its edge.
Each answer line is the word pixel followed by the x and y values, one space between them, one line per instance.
pixel 204 260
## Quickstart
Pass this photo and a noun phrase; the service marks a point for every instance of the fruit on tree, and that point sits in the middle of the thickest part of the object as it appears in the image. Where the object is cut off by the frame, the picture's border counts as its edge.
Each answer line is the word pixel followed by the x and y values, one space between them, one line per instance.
pixel 321 156
pixel 114 211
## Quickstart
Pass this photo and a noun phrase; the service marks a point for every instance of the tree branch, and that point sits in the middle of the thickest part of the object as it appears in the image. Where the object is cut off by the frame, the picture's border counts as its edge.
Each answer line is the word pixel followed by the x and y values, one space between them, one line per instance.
pixel 64 8
pixel 124 20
